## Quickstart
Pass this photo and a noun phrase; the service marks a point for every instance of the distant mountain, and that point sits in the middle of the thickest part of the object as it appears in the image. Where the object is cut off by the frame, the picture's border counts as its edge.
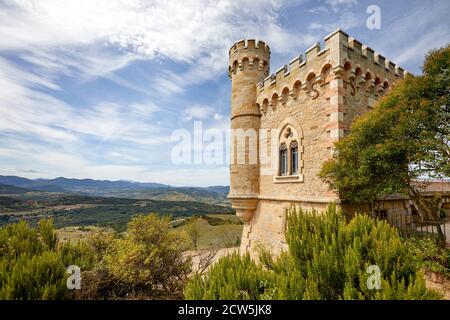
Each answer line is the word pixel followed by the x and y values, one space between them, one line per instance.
pixel 70 185
pixel 104 184
pixel 7 189
pixel 208 195
pixel 121 189
pixel 15 181
pixel 219 189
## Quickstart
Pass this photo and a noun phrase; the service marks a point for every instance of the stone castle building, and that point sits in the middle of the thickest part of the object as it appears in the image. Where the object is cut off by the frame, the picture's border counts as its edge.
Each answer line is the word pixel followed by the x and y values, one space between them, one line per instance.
pixel 311 103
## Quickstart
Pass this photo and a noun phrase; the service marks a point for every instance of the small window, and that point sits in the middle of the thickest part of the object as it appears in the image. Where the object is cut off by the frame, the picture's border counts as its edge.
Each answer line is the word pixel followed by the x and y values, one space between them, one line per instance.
pixel 294 158
pixel 283 160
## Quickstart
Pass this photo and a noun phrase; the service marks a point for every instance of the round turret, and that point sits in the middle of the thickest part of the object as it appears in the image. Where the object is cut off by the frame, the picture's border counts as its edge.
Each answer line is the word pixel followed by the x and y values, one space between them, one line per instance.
pixel 248 65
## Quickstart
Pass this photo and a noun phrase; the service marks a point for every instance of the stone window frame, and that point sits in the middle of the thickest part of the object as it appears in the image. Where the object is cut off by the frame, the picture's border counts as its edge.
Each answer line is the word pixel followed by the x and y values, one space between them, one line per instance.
pixel 290 137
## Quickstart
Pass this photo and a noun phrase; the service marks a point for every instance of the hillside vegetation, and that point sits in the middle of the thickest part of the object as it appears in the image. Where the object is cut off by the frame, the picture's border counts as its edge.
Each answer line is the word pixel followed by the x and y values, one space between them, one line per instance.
pixel 84 211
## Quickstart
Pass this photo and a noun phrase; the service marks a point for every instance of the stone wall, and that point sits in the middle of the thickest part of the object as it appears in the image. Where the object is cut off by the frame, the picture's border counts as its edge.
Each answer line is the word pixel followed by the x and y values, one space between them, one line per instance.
pixel 268 226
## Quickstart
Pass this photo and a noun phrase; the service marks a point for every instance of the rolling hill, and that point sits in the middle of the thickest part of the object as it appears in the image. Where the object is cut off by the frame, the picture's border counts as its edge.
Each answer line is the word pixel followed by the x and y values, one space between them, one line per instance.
pixel 118 189
pixel 65 184
pixel 6 189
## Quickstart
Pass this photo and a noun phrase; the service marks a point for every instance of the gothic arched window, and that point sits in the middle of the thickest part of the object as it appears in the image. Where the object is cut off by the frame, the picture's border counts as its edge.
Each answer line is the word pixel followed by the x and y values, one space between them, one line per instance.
pixel 290 161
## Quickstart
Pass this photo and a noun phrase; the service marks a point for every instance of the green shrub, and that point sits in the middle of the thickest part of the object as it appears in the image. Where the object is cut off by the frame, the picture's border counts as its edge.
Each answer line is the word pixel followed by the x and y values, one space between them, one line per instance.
pixel 41 276
pixel 147 262
pixel 33 264
pixel 81 254
pixel 429 254
pixel 234 277
pixel 327 259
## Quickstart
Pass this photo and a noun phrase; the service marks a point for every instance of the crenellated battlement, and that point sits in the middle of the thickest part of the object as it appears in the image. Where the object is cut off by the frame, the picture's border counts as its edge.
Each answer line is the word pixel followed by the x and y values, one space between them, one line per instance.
pixel 374 57
pixel 298 63
pixel 249 54
pixel 340 57
pixel 249 44
pixel 364 51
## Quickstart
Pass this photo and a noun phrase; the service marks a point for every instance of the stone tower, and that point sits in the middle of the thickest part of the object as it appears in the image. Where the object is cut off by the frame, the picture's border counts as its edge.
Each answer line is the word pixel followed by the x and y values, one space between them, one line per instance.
pixel 248 65
pixel 307 105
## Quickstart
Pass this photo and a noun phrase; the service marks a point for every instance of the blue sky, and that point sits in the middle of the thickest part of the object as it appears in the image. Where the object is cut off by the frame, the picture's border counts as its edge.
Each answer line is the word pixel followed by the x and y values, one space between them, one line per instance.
pixel 96 88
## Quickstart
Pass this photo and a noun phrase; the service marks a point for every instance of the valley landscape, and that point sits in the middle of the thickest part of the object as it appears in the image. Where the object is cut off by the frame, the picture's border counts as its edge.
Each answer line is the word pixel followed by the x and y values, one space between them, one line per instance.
pixel 105 204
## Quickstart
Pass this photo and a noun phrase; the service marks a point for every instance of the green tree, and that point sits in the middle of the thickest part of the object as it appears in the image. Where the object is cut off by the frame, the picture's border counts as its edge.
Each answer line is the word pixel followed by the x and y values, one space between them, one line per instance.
pixel 193 230
pixel 405 137
pixel 147 262
pixel 328 258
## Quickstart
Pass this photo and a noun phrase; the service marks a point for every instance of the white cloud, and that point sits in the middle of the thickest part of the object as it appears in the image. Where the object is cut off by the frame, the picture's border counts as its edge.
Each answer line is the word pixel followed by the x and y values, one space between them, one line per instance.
pixel 205 176
pixel 318 10
pixel 195 32
pixel 71 38
pixel 336 3
pixel 346 21
pixel 123 156
pixel 47 160
pixel 26 110
pixel 181 31
pixel 333 6
pixel 418 49
pixel 169 83
pixel 48 163
pixel 200 112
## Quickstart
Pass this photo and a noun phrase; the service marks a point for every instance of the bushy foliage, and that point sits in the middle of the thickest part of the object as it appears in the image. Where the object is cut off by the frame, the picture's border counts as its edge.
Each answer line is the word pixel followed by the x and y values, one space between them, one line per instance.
pixel 327 259
pixel 147 262
pixel 32 264
pixel 429 255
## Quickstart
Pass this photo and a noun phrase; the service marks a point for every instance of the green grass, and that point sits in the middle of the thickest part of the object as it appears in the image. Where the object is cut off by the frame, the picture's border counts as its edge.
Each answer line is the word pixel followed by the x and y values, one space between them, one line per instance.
pixel 75 234
pixel 230 217
pixel 221 236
